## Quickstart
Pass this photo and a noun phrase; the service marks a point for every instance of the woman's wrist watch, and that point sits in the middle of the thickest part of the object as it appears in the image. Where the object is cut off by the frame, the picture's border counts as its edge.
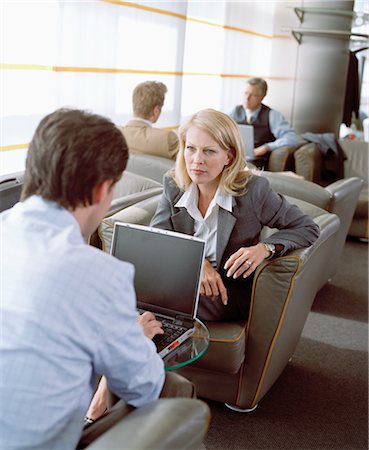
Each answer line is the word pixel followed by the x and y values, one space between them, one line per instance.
pixel 269 248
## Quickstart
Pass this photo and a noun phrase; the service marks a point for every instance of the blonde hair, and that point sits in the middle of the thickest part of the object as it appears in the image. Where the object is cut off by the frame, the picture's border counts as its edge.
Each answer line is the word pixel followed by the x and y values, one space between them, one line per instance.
pixel 146 96
pixel 225 132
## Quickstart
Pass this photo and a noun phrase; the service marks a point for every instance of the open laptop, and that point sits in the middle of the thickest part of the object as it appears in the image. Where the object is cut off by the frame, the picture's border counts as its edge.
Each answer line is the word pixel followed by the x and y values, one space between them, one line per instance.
pixel 247 132
pixel 168 268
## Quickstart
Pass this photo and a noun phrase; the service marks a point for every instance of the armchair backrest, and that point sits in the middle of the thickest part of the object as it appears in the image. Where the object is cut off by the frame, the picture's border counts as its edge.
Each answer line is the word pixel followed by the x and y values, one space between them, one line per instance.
pixel 131 191
pixel 10 192
pixel 149 166
pixel 356 164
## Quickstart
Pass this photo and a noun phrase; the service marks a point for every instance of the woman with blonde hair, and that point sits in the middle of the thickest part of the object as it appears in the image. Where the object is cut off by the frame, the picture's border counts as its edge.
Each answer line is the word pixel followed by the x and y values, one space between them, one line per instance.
pixel 212 194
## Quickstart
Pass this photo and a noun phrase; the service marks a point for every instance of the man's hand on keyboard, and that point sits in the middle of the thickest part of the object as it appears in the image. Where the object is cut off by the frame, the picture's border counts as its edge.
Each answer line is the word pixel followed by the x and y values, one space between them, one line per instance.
pixel 150 325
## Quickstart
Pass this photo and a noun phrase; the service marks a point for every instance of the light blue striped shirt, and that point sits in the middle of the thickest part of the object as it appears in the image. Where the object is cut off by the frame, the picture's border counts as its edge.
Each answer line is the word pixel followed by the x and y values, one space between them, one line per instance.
pixel 68 313
pixel 285 136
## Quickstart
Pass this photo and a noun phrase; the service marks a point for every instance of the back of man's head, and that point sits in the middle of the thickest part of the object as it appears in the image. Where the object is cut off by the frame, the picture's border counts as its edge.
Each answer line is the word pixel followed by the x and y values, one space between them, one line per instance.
pixel 71 152
pixel 260 83
pixel 146 96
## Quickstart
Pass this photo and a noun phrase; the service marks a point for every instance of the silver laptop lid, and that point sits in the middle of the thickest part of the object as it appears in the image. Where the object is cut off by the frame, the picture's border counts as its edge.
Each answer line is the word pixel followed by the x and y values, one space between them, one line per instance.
pixel 247 132
pixel 168 267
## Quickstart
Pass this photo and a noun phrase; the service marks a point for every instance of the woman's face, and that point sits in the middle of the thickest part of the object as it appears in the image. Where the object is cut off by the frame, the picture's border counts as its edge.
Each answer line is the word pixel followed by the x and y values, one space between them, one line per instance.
pixel 204 158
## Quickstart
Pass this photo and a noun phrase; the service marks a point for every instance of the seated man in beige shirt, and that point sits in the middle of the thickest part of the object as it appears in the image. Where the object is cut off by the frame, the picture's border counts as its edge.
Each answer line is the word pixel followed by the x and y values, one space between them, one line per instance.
pixel 141 136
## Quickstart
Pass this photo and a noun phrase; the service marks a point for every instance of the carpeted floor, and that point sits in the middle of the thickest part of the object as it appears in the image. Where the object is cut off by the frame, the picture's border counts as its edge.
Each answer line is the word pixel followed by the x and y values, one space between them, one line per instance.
pixel 321 399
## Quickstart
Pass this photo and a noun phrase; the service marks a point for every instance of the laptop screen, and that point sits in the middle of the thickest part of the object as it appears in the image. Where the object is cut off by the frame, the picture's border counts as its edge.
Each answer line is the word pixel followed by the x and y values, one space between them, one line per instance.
pixel 247 132
pixel 168 267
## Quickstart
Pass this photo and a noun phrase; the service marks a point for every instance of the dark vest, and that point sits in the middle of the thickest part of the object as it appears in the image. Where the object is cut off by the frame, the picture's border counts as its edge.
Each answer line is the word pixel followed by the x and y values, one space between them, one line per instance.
pixel 262 133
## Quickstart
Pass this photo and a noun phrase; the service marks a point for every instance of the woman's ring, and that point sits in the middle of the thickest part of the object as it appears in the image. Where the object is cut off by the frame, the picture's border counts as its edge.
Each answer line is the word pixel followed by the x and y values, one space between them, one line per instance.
pixel 249 263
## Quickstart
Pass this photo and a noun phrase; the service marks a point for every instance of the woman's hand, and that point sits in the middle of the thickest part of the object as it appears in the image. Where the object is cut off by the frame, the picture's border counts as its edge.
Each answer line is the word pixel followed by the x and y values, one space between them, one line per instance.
pixel 212 284
pixel 150 325
pixel 245 260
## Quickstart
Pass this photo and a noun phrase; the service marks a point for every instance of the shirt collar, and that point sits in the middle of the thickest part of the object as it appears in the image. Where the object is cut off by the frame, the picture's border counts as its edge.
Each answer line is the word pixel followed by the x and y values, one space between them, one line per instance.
pixel 143 120
pixel 50 211
pixel 191 197
pixel 252 113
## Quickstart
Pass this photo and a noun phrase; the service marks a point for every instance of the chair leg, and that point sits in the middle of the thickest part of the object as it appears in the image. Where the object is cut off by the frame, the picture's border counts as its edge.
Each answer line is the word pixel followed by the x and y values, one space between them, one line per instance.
pixel 243 410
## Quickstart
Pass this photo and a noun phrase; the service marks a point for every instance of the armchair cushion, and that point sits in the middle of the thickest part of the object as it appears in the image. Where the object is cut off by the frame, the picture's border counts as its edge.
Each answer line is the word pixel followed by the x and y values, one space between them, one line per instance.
pixel 226 350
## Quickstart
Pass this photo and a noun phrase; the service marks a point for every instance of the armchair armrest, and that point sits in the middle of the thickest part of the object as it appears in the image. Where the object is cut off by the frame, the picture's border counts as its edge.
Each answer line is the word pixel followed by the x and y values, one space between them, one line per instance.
pixel 281 159
pixel 283 292
pixel 308 162
pixel 163 424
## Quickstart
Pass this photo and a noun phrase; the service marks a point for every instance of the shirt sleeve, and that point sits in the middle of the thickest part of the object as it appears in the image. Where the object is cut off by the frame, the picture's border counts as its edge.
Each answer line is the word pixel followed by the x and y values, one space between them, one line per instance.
pixel 128 359
pixel 280 128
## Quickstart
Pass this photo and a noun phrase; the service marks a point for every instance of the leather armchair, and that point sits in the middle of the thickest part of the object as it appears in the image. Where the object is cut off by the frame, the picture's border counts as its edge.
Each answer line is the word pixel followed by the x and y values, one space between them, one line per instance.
pixel 163 424
pixel 282 159
pixel 149 166
pixel 130 190
pixel 155 167
pixel 309 164
pixel 10 190
pixel 244 359
pixel 338 198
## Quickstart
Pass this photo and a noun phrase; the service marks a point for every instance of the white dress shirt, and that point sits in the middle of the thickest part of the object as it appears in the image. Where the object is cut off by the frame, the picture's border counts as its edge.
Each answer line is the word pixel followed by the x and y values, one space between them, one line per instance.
pixel 205 227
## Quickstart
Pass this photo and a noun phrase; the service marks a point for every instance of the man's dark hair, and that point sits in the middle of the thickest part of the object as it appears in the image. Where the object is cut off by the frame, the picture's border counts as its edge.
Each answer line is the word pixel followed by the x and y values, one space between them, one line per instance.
pixel 71 152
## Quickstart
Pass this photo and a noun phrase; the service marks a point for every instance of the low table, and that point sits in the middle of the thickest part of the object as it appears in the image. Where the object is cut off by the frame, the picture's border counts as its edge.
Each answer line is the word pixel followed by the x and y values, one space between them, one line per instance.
pixel 190 350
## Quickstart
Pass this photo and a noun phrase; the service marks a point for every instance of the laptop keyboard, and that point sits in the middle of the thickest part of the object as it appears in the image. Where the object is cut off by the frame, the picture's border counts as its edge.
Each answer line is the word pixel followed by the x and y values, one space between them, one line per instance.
pixel 171 332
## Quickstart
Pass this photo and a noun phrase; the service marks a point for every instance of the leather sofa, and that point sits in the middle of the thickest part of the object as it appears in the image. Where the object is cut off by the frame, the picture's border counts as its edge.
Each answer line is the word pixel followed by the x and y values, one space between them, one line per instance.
pixel 308 162
pixel 164 424
pixel 245 358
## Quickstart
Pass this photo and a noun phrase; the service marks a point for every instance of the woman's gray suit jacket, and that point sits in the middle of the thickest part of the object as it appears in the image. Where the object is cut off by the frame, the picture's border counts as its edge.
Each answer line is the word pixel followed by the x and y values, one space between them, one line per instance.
pixel 259 206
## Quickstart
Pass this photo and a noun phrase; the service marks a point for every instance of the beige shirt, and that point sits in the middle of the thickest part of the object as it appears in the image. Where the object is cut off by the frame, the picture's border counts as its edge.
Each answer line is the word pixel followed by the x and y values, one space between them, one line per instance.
pixel 141 137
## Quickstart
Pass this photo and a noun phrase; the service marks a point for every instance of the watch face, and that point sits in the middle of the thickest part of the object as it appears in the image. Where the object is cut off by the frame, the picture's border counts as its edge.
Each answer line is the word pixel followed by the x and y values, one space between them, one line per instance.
pixel 271 248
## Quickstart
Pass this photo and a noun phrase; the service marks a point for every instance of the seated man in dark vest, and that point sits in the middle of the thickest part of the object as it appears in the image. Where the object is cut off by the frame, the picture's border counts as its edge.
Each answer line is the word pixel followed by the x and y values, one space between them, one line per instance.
pixel 271 129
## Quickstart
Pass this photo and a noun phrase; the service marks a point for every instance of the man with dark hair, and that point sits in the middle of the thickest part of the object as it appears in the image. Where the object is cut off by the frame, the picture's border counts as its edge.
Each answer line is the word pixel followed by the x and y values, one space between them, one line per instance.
pixel 271 129
pixel 147 101
pixel 68 311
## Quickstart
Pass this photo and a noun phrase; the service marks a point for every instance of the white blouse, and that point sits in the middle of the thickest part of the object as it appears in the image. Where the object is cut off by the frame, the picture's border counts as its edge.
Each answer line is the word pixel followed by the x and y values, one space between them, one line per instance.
pixel 205 227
